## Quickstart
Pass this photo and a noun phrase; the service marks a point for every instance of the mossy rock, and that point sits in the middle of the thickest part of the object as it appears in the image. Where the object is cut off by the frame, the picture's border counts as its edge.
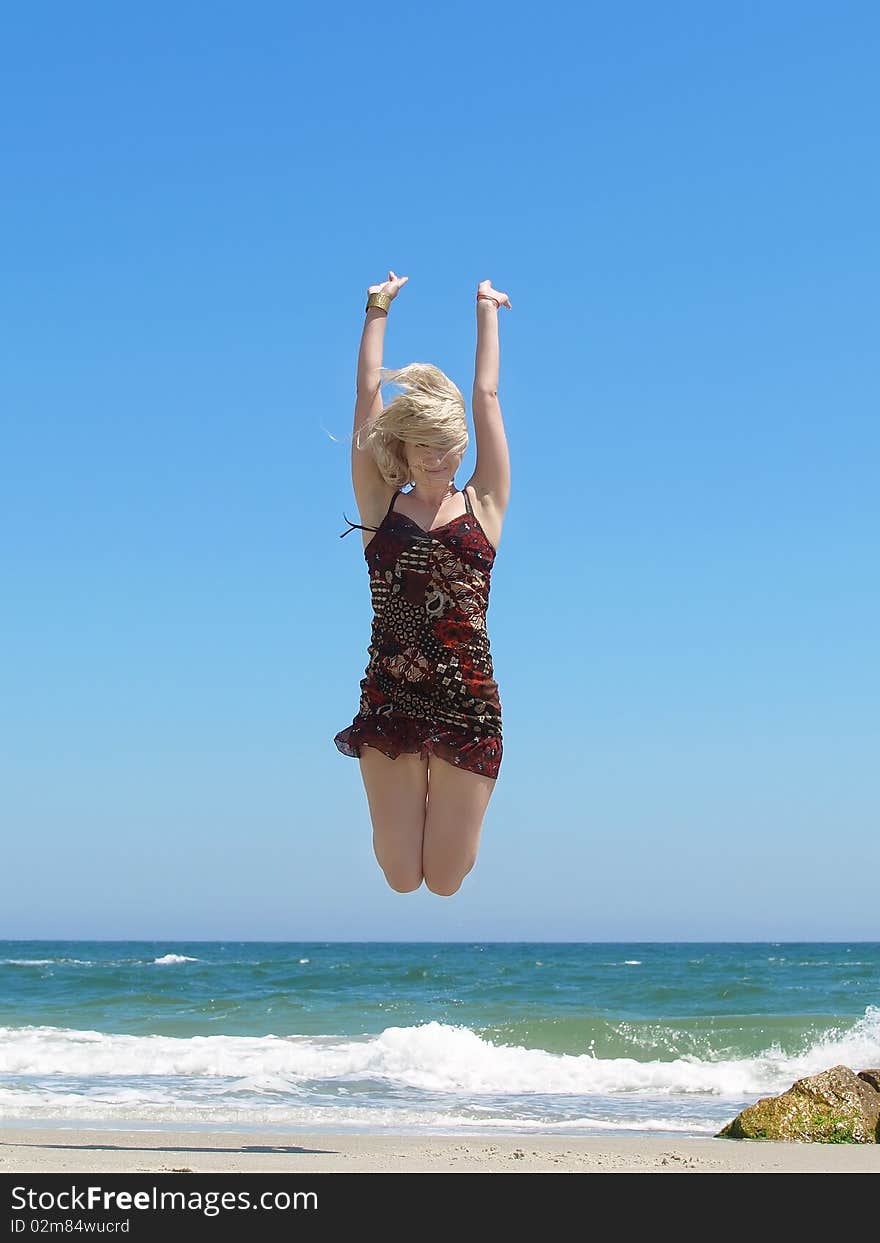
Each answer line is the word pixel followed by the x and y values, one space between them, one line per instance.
pixel 833 1107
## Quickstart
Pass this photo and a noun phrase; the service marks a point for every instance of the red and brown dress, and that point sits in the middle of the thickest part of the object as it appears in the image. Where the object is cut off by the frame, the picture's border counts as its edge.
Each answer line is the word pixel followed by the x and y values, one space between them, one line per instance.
pixel 429 684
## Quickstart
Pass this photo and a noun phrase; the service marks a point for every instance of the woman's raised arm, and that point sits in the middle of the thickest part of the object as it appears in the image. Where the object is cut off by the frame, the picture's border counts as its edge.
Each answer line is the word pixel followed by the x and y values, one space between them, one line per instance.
pixel 491 476
pixel 365 474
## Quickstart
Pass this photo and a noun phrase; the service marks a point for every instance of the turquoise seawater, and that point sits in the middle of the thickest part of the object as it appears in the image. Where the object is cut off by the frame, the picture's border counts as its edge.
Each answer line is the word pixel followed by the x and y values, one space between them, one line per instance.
pixel 421 1037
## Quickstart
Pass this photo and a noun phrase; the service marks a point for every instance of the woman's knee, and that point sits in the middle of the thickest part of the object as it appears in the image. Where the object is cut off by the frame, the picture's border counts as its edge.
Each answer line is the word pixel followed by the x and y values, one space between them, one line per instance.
pixel 401 862
pixel 445 882
pixel 402 880
pixel 445 888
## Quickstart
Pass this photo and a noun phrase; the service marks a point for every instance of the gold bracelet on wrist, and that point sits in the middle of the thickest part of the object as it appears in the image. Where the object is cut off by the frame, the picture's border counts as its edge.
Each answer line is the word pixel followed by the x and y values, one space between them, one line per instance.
pixel 381 300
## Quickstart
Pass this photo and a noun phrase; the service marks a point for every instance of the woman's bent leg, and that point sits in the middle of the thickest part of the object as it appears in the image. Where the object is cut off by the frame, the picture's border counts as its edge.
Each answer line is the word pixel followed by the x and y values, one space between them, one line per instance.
pixel 397 791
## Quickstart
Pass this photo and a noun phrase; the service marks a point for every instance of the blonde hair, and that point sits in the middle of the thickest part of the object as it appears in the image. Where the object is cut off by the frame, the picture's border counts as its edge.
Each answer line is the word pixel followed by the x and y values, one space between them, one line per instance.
pixel 430 411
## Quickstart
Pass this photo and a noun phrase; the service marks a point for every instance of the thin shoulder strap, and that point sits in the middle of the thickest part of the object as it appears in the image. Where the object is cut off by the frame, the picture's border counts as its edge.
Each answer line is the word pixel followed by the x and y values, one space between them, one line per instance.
pixel 356 526
pixel 467 501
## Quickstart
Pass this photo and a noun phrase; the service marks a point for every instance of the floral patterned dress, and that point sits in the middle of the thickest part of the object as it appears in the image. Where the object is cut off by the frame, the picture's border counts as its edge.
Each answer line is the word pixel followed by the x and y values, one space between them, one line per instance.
pixel 429 684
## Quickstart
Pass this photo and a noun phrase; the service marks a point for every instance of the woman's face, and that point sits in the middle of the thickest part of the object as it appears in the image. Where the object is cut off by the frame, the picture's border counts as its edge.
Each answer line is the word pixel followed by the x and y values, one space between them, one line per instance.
pixel 432 464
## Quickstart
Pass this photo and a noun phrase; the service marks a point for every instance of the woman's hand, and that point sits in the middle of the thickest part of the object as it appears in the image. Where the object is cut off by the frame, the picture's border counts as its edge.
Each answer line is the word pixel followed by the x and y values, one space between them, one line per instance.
pixel 391 287
pixel 486 288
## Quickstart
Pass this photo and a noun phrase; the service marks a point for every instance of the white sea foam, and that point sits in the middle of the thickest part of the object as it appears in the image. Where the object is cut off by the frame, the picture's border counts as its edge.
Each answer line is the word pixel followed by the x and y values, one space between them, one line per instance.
pixel 166 958
pixel 433 1057
pixel 51 962
pixel 177 1111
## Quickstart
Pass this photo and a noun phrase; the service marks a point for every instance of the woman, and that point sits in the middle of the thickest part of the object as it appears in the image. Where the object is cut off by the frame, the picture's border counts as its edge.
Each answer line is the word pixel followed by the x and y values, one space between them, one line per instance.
pixel 428 729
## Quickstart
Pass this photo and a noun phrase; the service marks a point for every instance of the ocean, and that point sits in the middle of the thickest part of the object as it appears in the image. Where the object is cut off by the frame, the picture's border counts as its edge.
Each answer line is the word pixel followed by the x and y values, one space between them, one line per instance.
pixel 424 1038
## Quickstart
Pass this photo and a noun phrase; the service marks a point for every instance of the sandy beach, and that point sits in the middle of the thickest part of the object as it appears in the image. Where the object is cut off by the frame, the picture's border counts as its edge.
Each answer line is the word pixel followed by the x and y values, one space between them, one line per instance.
pixel 81 1150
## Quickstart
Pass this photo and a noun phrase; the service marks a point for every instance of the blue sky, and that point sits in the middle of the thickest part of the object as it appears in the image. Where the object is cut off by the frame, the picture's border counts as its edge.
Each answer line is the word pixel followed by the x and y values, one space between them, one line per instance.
pixel 681 201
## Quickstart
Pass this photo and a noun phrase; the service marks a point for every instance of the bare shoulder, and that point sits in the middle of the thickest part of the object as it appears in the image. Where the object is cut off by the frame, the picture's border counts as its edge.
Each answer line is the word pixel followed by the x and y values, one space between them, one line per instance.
pixel 371 491
pixel 487 508
pixel 372 503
